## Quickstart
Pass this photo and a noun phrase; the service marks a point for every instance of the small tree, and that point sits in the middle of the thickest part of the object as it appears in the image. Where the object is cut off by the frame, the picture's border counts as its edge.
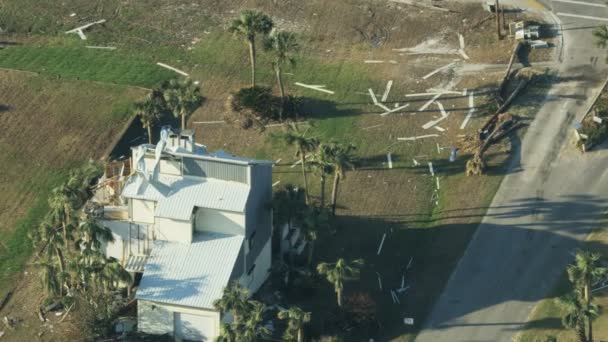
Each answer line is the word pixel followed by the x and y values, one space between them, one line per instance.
pixel 296 319
pixel 575 312
pixel 339 272
pixel 282 44
pixel 342 157
pixel 249 24
pixel 303 144
pixel 234 300
pixel 600 34
pixel 150 111
pixel 323 165
pixel 316 220
pixel 182 98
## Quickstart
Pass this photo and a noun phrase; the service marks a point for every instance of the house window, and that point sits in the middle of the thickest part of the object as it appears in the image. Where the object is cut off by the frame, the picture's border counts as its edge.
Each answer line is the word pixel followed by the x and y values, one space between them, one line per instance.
pixel 251 269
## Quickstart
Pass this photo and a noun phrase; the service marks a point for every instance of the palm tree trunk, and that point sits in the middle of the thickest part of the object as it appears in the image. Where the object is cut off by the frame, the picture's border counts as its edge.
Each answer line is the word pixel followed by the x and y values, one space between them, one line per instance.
pixel 252 60
pixel 590 329
pixel 496 11
pixel 61 269
pixel 580 332
pixel 322 190
pixel 339 295
pixel 303 158
pixel 149 134
pixel 299 338
pixel 183 120
pixel 277 69
pixel 334 193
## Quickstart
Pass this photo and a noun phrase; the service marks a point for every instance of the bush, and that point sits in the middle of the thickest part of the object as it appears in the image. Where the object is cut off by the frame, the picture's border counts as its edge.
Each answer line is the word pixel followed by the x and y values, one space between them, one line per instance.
pixel 259 100
pixel 596 133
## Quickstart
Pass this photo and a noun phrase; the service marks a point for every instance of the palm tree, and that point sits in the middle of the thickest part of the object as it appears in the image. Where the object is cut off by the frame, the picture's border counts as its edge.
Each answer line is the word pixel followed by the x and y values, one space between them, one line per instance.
pixel 282 44
pixel 575 312
pixel 303 144
pixel 584 273
pixel 339 272
pixel 113 272
pixel 92 234
pixel 288 206
pixel 54 242
pixel 234 300
pixel 182 98
pixel 601 36
pixel 323 166
pixel 342 158
pixel 296 319
pixel 315 220
pixel 49 278
pixel 150 111
pixel 228 333
pixel 249 24
pixel 62 205
pixel 79 182
pixel 251 327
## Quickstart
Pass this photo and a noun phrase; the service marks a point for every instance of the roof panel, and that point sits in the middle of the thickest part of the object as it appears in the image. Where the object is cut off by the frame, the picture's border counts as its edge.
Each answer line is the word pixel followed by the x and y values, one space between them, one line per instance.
pixel 196 283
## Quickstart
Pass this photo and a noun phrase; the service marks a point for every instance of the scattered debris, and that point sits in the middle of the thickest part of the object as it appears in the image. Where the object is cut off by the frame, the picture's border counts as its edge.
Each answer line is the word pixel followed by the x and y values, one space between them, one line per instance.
pixel 390 160
pixel 101 47
pixel 276 183
pixel 80 30
pixel 183 73
pixel 433 122
pixel 426 105
pixel 379 281
pixel 67 312
pixel 320 88
pixel 447 66
pixel 431 169
pixel 395 110
pixel 595 118
pixel 440 129
pixel 381 244
pixel 418 137
pixel 387 90
pixel 375 100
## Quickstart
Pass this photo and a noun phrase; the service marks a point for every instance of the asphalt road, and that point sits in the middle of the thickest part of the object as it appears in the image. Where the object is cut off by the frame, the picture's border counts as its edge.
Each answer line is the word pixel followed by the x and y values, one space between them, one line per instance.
pixel 545 206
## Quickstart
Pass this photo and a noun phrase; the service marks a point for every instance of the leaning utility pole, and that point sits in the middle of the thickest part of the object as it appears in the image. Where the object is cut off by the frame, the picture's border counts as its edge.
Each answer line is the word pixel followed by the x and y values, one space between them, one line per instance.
pixel 496 11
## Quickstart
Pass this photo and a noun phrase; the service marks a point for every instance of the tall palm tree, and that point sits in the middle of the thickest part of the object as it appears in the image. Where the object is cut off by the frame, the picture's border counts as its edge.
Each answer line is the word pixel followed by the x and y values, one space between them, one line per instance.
pixel 79 182
pixel 62 203
pixel 282 44
pixel 575 312
pixel 249 24
pixel 112 273
pixel 296 319
pixel 251 328
pixel 315 220
pixel 288 206
pixel 92 235
pixel 323 166
pixel 584 273
pixel 53 242
pixel 234 300
pixel 150 111
pixel 339 272
pixel 342 157
pixel 303 144
pixel 228 333
pixel 600 34
pixel 182 98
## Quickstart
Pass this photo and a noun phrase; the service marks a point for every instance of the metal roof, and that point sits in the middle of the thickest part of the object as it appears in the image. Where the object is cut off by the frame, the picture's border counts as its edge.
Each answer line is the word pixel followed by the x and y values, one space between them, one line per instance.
pixel 193 274
pixel 136 263
pixel 176 196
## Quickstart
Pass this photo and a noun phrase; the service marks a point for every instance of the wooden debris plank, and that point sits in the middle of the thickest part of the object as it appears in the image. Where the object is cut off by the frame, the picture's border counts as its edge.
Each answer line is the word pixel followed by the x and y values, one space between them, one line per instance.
pixel 395 110
pixel 463 54
pixel 374 126
pixel 208 122
pixel 390 160
pixel 101 47
pixel 433 122
pixel 183 73
pixel 421 94
pixel 371 93
pixel 461 41
pixel 418 137
pixel 426 105
pixel 387 90
pixel 431 169
pixel 373 62
pixel 440 129
pixel 442 109
pixel 276 183
pixel 84 27
pixel 381 244
pixel 447 66
pixel 315 87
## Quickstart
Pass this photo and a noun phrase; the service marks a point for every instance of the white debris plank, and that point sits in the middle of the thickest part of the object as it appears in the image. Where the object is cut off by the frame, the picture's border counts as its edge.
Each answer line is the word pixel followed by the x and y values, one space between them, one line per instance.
pixel 387 90
pixel 84 27
pixel 440 129
pixel 374 126
pixel 81 34
pixel 382 106
pixel 472 100
pixel 433 122
pixel 371 93
pixel 381 244
pixel 389 157
pixel 183 73
pixel 415 162
pixel 437 179
pixel 466 120
pixel 463 54
pixel 426 105
pixel 421 94
pixel 443 113
pixel 431 169
pixel 275 183
pixel 208 122
pixel 447 66
pixel 395 110
pixel 373 62
pixel 101 47
pixel 464 92
pixel 418 137
pixel 402 280
pixel 461 41
pixel 315 87
pixel 597 119
pixel 396 297
pixel 379 281
pixel 409 264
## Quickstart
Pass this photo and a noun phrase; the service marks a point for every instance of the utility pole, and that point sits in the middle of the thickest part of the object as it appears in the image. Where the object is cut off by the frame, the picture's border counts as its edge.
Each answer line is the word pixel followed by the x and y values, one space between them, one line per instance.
pixel 496 11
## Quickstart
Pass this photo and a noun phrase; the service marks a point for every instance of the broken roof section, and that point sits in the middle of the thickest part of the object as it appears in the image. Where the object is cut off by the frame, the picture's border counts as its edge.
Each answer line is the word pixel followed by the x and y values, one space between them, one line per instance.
pixel 198 283
pixel 176 196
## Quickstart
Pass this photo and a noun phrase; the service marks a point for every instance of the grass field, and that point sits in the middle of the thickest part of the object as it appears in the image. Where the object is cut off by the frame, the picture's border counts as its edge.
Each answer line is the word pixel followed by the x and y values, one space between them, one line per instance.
pixel 336 37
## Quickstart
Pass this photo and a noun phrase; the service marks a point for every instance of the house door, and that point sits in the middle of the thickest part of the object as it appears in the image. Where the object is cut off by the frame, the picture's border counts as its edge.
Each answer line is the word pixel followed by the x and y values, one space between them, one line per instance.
pixel 194 328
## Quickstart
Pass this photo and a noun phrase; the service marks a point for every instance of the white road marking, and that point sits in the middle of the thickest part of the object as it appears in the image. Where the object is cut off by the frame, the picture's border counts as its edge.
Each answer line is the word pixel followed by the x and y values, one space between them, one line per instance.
pixel 580 3
pixel 581 16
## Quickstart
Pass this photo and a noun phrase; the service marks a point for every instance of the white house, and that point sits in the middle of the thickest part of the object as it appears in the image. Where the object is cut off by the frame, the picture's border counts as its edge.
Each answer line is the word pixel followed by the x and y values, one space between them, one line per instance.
pixel 190 222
